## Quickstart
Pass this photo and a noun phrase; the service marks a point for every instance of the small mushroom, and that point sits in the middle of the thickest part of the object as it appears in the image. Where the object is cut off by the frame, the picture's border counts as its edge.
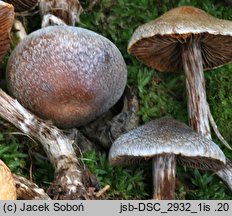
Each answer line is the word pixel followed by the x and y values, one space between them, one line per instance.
pixel 66 74
pixel 186 38
pixel 166 141
pixel 7 184
pixel 6 22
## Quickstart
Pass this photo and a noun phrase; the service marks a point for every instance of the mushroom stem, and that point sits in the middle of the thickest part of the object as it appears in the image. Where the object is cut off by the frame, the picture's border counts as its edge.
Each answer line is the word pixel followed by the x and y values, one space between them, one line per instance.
pixel 226 173
pixel 163 171
pixel 195 86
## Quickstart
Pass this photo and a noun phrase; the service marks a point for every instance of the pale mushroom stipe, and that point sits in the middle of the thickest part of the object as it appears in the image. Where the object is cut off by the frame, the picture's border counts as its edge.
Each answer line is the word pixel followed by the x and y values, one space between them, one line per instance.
pixel 66 74
pixel 190 40
pixel 166 140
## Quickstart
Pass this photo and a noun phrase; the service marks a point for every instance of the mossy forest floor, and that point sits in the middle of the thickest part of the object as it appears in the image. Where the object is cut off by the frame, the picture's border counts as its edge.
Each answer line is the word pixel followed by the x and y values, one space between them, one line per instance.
pixel 159 94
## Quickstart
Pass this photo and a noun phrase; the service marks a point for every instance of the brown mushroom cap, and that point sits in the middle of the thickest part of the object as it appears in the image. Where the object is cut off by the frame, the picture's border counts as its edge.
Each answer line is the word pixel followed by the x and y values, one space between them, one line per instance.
pixel 23 5
pixel 158 43
pixel 66 74
pixel 167 136
pixel 6 22
pixel 7 184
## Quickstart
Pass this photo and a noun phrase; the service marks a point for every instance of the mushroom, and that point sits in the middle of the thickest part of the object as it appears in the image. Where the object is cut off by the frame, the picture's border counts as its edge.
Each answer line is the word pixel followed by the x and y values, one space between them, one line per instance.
pixel 6 21
pixel 186 38
pixel 166 141
pixel 23 5
pixel 7 185
pixel 65 74
pixel 66 10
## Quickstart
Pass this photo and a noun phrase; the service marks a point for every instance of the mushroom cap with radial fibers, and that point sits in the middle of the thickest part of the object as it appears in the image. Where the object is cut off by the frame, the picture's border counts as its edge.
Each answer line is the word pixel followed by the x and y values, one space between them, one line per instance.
pixel 6 22
pixel 23 5
pixel 158 43
pixel 167 136
pixel 7 184
pixel 66 74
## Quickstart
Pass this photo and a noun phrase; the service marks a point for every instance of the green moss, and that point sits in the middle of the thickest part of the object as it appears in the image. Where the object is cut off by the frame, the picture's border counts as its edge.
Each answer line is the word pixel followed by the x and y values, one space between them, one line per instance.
pixel 125 182
pixel 11 152
pixel 219 93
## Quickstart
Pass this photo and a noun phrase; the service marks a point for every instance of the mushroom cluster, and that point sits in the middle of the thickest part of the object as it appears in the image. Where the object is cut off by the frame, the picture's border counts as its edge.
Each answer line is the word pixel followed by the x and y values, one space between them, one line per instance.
pixel 190 40
pixel 71 76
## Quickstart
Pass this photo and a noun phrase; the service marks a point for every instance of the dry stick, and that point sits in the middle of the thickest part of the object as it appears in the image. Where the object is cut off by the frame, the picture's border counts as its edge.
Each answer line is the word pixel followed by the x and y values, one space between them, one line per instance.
pixel 214 126
pixel 226 172
pixel 102 191
pixel 27 190
pixel 57 146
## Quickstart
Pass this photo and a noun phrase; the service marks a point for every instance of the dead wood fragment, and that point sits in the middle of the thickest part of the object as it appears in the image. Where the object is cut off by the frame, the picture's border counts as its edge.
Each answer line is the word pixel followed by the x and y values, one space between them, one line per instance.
pixel 27 190
pixel 59 149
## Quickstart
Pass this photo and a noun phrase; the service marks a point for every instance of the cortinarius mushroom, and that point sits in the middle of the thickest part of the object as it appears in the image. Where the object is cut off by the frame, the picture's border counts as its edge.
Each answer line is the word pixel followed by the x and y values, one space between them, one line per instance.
pixel 23 5
pixel 66 74
pixel 6 21
pixel 188 39
pixel 7 185
pixel 166 140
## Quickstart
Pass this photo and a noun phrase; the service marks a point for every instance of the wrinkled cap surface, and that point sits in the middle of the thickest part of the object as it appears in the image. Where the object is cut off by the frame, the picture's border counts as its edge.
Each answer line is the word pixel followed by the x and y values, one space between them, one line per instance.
pixel 158 43
pixel 6 22
pixel 65 74
pixel 167 136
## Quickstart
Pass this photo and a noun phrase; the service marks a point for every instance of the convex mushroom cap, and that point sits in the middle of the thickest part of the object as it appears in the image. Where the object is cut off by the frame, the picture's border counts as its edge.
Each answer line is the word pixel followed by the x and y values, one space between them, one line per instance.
pixel 158 42
pixel 6 22
pixel 7 184
pixel 66 74
pixel 167 136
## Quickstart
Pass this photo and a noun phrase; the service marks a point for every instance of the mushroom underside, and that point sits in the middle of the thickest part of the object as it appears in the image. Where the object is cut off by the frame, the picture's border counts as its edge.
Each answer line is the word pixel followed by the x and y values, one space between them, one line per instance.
pixel 200 162
pixel 163 52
